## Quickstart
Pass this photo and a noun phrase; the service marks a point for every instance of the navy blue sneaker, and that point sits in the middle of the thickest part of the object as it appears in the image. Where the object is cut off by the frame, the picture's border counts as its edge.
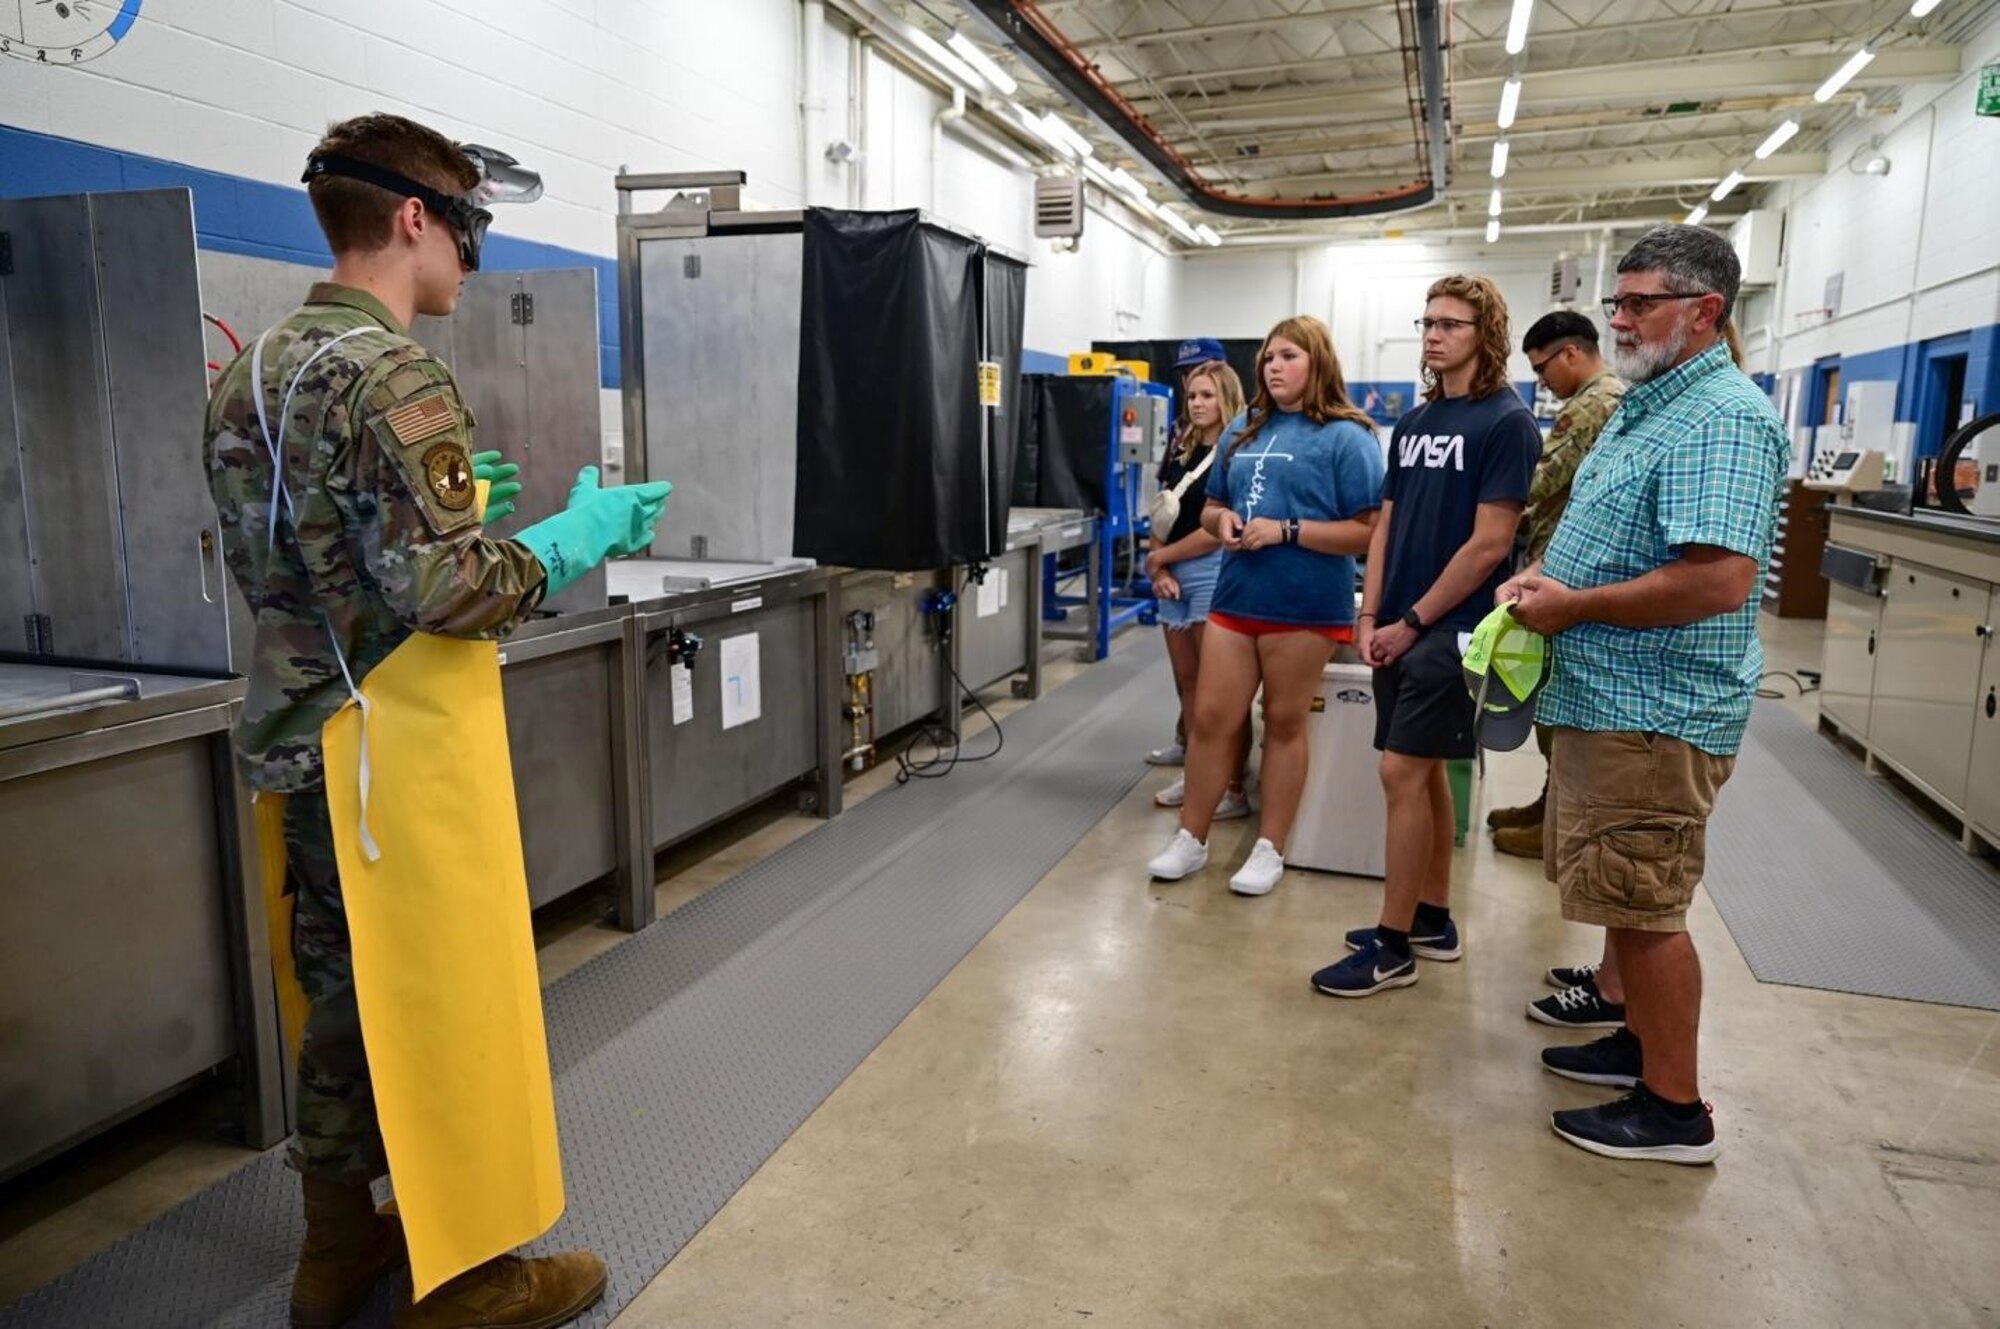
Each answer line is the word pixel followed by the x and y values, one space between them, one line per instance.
pixel 1639 1126
pixel 1563 976
pixel 1368 971
pixel 1612 1059
pixel 1436 946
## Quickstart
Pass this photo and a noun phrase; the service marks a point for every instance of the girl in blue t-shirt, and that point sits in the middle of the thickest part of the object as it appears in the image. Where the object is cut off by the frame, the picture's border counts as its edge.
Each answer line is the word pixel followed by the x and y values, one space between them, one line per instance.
pixel 1292 500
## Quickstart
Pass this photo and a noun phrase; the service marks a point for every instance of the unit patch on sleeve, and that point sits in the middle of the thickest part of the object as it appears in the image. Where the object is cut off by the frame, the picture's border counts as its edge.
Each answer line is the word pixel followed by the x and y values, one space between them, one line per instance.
pixel 448 472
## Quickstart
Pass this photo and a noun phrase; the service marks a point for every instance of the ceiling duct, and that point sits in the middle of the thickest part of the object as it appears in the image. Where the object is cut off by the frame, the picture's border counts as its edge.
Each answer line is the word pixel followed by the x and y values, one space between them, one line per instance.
pixel 1022 24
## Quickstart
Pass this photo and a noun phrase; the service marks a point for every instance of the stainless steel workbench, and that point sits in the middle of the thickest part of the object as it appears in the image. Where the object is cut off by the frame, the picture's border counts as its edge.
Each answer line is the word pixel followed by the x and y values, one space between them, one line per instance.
pixel 705 756
pixel 132 927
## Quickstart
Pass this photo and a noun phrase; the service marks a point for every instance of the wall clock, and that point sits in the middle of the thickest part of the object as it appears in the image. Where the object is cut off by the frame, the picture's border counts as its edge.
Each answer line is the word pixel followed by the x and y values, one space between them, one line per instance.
pixel 63 32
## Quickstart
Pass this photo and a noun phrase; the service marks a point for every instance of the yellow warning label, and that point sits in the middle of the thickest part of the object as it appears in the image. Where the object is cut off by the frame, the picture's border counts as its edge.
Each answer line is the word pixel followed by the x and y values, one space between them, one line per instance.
pixel 989 383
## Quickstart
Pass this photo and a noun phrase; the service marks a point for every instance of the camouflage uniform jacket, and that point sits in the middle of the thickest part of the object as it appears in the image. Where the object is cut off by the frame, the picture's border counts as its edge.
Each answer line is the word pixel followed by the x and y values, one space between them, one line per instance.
pixel 1575 432
pixel 383 537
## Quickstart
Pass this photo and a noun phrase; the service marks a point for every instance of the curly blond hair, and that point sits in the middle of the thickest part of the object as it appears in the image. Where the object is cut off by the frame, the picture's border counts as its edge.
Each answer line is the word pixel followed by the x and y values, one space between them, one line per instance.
pixel 1489 316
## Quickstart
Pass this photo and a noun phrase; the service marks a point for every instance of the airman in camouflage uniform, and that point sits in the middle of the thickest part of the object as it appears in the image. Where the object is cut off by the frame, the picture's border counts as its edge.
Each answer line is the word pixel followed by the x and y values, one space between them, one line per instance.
pixel 377 536
pixel 381 540
pixel 1562 349
pixel 1575 432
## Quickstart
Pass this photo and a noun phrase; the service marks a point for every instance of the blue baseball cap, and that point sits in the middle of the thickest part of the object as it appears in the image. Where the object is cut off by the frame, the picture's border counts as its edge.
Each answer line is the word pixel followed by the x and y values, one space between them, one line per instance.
pixel 1198 351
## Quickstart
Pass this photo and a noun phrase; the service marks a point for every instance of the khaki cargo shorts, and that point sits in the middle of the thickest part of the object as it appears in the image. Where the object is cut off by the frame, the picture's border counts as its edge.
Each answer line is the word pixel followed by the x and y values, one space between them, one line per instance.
pixel 1626 832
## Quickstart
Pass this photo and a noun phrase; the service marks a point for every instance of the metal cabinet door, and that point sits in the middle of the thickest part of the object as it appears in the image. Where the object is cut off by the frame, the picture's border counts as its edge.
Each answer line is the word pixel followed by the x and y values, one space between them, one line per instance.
pixel 701 771
pixel 1853 627
pixel 107 529
pixel 1927 674
pixel 1982 783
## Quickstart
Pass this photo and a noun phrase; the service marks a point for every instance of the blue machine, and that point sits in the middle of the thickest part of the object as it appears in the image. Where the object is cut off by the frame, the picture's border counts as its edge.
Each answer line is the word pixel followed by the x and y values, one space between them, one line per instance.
pixel 1138 425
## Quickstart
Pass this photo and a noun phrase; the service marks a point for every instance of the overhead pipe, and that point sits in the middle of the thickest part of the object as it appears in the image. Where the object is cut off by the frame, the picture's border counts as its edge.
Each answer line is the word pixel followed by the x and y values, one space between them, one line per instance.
pixel 1022 24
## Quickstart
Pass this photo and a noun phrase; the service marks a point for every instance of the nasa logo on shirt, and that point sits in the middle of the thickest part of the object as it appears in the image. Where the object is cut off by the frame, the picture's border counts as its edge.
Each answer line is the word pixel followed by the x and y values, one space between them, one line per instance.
pixel 1433 452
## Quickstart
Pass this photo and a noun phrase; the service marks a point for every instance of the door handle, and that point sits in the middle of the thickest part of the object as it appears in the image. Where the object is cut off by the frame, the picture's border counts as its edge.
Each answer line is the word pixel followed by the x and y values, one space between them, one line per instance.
pixel 206 544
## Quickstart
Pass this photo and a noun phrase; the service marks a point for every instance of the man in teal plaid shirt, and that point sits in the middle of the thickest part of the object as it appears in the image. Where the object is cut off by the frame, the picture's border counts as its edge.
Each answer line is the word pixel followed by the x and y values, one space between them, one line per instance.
pixel 1648 589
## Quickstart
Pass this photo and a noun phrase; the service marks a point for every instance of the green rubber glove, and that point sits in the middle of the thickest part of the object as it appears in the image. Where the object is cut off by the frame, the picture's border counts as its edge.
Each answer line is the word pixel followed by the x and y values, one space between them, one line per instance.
pixel 500 498
pixel 598 524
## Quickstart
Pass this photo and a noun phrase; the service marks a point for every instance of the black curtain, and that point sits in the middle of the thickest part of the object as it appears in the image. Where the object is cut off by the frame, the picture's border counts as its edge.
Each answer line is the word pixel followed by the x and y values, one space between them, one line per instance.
pixel 1006 295
pixel 890 467
pixel 1065 437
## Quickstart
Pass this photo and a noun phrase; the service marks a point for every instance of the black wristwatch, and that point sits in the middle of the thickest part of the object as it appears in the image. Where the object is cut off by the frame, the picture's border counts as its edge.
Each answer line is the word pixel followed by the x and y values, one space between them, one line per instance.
pixel 1411 621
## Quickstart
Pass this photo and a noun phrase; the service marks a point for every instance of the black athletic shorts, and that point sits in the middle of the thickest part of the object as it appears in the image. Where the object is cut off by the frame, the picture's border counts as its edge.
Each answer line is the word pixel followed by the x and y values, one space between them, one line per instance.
pixel 1422 707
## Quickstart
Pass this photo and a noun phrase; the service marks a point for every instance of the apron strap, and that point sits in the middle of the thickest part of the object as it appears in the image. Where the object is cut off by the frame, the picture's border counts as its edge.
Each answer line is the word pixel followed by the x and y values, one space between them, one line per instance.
pixel 281 494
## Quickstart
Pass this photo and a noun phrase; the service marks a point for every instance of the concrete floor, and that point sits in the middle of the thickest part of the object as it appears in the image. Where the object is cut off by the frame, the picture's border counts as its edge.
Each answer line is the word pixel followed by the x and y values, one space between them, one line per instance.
pixel 1127 1107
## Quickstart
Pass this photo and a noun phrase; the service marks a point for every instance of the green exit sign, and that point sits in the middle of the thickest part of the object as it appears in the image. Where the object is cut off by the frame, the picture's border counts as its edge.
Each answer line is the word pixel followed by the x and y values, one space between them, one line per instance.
pixel 1989 90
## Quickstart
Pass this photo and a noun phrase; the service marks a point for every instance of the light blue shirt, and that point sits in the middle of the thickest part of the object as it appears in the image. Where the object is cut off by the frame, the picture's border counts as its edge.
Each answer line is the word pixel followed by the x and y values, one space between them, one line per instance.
pixel 1294 468
pixel 1697 456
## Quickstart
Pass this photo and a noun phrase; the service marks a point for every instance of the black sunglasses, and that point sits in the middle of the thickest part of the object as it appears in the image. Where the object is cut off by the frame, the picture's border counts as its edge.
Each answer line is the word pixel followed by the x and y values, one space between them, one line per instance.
pixel 468 221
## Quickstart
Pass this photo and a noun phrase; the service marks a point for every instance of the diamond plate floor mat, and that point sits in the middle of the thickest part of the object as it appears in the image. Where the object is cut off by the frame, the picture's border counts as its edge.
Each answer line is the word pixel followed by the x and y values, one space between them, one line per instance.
pixel 1827 878
pixel 688 1053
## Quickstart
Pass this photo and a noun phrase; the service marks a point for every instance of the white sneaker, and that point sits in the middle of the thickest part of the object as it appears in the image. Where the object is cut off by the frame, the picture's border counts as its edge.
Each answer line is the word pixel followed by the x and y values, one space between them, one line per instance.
pixel 1183 855
pixel 1173 795
pixel 1173 754
pixel 1235 805
pixel 1261 873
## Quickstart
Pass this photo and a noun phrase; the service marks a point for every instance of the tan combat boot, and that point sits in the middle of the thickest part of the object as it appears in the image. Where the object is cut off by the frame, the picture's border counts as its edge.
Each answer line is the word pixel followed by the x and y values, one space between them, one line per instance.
pixel 512 1293
pixel 1530 815
pixel 1520 841
pixel 348 1247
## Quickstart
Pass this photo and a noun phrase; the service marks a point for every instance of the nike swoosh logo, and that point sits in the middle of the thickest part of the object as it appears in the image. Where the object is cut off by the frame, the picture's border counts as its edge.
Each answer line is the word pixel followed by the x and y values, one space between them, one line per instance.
pixel 1379 975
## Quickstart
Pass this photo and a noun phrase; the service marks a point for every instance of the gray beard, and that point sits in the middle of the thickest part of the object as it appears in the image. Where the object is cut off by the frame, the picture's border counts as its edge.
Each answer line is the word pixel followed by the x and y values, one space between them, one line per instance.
pixel 1643 363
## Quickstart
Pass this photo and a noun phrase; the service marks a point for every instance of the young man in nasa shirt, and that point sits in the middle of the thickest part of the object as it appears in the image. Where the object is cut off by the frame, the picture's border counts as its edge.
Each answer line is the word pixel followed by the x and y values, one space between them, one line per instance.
pixel 1459 470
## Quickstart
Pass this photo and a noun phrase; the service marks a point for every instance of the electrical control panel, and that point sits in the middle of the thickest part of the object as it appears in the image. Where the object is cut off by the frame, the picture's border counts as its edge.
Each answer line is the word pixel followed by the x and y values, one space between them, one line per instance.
pixel 1142 429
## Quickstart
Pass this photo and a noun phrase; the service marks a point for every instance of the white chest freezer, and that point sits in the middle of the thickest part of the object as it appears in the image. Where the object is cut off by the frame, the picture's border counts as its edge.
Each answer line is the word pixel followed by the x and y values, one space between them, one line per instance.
pixel 1342 824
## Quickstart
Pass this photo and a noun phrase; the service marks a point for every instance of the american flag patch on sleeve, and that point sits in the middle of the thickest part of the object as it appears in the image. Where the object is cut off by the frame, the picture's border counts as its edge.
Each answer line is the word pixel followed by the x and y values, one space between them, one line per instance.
pixel 415 421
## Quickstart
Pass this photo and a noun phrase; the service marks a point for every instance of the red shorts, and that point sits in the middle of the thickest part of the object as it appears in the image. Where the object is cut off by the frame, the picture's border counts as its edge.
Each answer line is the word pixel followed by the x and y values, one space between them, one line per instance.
pixel 1261 627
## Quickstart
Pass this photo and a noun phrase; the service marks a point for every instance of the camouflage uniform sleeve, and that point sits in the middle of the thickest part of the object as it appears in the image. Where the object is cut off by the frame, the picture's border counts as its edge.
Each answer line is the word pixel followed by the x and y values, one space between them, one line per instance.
pixel 1570 439
pixel 415 504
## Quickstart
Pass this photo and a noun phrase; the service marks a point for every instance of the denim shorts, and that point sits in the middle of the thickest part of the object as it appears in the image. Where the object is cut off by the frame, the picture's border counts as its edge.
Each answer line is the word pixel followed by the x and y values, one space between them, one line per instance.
pixel 1197 578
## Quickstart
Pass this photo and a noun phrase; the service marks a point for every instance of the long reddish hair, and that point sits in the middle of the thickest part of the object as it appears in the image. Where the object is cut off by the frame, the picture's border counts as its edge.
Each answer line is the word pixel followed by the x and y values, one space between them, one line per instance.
pixel 1326 387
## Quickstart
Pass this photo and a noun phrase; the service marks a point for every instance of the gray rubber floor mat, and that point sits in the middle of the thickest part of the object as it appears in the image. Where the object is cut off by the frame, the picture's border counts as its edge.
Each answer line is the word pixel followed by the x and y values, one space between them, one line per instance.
pixel 1829 879
pixel 687 1054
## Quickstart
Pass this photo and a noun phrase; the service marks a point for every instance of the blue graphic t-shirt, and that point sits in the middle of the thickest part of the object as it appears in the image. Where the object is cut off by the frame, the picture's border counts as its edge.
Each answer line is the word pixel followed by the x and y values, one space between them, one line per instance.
pixel 1294 468
pixel 1445 459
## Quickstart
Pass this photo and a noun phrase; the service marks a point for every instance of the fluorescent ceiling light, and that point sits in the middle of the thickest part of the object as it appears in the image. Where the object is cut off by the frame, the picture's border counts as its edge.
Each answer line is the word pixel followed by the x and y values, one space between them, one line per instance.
pixel 1510 102
pixel 1179 225
pixel 1078 145
pixel 1033 124
pixel 1500 159
pixel 1923 7
pixel 942 58
pixel 1727 187
pixel 1517 26
pixel 1207 234
pixel 1698 216
pixel 1123 179
pixel 1778 139
pixel 1493 207
pixel 969 52
pixel 1844 75
pixel 1492 230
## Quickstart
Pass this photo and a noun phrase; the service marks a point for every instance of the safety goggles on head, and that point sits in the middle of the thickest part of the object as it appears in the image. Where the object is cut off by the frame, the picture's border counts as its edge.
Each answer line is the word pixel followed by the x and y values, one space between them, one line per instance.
pixel 509 183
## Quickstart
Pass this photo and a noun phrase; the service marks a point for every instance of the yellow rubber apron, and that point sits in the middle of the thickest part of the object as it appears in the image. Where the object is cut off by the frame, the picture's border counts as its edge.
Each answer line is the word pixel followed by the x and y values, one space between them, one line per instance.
pixel 420 794
pixel 444 955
